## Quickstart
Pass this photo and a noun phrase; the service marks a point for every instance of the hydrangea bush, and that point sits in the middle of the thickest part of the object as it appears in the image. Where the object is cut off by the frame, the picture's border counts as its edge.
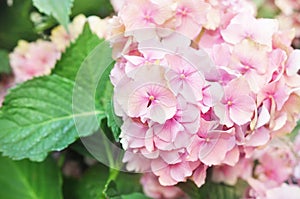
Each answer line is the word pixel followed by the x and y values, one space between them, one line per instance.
pixel 175 98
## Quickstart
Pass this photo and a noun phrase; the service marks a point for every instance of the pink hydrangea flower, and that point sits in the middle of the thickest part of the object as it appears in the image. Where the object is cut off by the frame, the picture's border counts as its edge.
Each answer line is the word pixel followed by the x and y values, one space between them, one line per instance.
pixel 237 105
pixel 144 14
pixel 33 59
pixel 5 84
pixel 63 38
pixel 211 95
pixel 284 191
pixel 153 189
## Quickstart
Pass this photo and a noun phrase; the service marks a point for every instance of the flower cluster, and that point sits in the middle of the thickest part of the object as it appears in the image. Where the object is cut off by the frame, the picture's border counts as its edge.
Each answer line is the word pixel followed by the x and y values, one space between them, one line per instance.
pixel 33 59
pixel 63 38
pixel 270 172
pixel 200 84
pixel 288 14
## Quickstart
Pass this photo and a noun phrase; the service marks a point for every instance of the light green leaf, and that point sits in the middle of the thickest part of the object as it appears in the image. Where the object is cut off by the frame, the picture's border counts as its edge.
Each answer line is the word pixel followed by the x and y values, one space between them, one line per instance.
pixel 59 9
pixel 75 56
pixel 38 117
pixel 295 132
pixel 4 62
pixel 91 63
pixel 29 180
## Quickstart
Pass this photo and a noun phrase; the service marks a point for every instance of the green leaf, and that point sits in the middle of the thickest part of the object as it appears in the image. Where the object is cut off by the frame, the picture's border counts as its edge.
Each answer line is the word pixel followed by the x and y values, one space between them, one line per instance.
pixel 102 8
pixel 113 121
pixel 38 117
pixel 124 186
pixel 75 56
pixel 59 9
pixel 93 182
pixel 190 189
pixel 88 62
pixel 105 90
pixel 15 23
pixel 29 180
pixel 101 182
pixel 134 196
pixel 295 132
pixel 213 190
pixel 4 62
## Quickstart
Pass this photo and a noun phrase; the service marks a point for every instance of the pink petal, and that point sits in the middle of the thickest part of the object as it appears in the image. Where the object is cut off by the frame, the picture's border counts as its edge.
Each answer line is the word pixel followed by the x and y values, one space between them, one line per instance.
pixel 242 109
pixel 199 175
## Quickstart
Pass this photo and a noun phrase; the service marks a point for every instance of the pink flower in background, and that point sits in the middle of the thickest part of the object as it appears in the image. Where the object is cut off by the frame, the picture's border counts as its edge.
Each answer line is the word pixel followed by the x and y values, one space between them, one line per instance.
pixel 153 189
pixel 61 38
pixel 231 174
pixel 5 83
pixel 284 191
pixel 117 4
pixel 33 59
pixel 276 164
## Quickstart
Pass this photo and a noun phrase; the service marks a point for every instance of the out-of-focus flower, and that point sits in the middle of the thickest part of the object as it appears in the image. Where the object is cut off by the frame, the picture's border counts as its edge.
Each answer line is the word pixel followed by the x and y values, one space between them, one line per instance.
pixel 63 38
pixel 284 191
pixel 33 59
pixel 117 4
pixel 6 82
pixel 153 189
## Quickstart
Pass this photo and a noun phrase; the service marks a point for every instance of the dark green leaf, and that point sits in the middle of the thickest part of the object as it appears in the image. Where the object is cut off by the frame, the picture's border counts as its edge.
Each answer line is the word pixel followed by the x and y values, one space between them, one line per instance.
pixel 135 196
pixel 39 116
pixel 211 190
pixel 105 95
pixel 59 9
pixel 29 180
pixel 127 188
pixel 124 186
pixel 190 189
pixel 15 23
pixel 93 182
pixel 101 8
pixel 4 62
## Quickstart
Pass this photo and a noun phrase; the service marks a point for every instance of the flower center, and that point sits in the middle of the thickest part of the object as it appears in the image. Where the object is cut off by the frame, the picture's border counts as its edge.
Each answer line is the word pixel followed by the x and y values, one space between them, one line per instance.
pixel 183 11
pixel 229 103
pixel 151 99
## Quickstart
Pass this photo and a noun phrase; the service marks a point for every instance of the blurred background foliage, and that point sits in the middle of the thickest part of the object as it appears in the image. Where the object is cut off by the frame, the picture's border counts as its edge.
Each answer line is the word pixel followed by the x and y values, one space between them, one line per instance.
pixel 20 20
